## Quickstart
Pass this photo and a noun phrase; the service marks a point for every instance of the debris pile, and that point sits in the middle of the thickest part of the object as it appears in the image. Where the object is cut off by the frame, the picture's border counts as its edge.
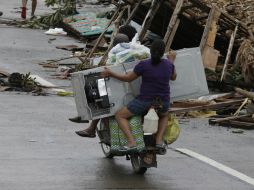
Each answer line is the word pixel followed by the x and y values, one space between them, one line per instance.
pixel 18 82
pixel 245 60
pixel 64 8
pixel 240 9
pixel 243 117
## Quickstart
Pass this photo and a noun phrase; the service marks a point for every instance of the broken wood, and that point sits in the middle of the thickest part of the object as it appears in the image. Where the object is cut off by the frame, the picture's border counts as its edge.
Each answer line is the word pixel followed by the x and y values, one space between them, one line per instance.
pixel 210 57
pixel 4 73
pixel 172 23
pixel 236 124
pixel 172 35
pixel 90 54
pixel 210 27
pixel 230 47
pixel 240 108
pixel 54 61
pixel 229 118
pixel 215 106
pixel 245 93
pixel 149 18
pixel 133 12
pixel 117 25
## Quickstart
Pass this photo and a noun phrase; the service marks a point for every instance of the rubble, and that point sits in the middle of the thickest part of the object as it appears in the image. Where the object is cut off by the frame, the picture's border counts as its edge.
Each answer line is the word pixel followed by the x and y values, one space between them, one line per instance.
pixel 241 9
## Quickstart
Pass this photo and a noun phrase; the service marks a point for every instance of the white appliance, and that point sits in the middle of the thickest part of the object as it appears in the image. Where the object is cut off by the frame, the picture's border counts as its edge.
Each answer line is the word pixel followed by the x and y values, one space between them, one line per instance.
pixel 98 97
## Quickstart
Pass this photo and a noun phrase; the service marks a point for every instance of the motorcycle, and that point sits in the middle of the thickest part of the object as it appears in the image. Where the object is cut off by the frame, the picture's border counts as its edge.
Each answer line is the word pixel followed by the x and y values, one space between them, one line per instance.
pixel 140 161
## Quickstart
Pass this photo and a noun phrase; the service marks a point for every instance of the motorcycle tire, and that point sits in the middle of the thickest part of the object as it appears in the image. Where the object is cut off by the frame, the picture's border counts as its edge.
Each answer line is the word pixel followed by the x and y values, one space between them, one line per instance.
pixel 106 148
pixel 136 164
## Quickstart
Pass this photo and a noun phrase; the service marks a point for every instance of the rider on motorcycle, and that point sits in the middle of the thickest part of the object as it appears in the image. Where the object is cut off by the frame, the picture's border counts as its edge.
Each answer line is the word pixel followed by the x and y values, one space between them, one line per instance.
pixel 156 73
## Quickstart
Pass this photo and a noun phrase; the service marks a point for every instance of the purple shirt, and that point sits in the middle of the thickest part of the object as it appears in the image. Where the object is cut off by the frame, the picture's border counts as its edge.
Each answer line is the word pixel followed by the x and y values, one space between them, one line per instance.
pixel 155 79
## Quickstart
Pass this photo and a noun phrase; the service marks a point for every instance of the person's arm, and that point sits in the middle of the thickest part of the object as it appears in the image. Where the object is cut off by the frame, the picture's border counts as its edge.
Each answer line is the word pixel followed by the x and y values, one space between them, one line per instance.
pixel 174 75
pixel 128 77
pixel 171 57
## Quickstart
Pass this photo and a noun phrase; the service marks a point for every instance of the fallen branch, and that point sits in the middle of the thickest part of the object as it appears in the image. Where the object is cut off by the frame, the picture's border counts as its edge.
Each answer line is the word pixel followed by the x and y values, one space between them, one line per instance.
pixel 65 58
pixel 230 118
pixel 245 93
pixel 243 104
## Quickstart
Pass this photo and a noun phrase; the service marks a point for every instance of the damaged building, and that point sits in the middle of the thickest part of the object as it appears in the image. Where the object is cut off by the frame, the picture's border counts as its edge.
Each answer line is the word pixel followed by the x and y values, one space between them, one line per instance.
pixel 192 23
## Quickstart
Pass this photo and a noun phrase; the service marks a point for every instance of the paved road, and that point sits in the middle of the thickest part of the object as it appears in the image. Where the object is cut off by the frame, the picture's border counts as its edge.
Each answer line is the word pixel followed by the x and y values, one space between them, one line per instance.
pixel 39 149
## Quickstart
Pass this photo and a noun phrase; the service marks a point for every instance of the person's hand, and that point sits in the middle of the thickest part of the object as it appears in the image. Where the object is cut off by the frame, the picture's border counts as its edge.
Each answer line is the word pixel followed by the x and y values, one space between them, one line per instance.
pixel 106 72
pixel 171 55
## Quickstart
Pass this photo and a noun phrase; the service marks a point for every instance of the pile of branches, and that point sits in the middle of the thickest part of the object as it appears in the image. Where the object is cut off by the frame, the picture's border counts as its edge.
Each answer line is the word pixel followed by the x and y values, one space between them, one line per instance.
pixel 20 82
pixel 239 74
pixel 245 59
pixel 243 10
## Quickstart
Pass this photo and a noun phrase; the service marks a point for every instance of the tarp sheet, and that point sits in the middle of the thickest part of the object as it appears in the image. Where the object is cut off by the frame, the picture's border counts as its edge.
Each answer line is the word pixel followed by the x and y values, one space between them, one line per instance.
pixel 87 24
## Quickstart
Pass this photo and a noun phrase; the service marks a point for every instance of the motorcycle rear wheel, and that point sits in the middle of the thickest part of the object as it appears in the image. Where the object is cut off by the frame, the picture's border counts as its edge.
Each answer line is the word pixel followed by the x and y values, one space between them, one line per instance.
pixel 136 164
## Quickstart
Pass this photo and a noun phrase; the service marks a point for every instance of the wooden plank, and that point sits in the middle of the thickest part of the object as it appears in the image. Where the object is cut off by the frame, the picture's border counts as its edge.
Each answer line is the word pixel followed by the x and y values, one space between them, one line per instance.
pixel 188 6
pixel 210 30
pixel 133 12
pixel 210 57
pixel 201 17
pixel 213 31
pixel 235 124
pixel 172 23
pixel 114 17
pixel 149 18
pixel 206 107
pixel 117 24
pixel 200 5
pixel 207 29
pixel 245 93
pixel 230 47
pixel 230 118
pixel 242 27
pixel 240 108
pixel 4 73
pixel 172 35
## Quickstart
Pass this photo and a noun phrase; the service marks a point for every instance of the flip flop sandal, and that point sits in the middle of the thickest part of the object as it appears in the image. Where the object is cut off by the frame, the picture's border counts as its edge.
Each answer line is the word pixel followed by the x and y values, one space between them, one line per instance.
pixel 84 133
pixel 160 146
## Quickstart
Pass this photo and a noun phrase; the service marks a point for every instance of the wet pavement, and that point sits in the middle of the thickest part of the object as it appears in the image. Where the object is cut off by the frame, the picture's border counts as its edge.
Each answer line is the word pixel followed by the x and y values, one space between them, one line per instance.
pixel 40 150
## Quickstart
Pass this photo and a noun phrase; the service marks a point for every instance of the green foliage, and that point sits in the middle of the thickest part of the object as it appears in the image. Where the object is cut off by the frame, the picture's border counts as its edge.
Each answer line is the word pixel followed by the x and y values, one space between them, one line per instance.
pixel 49 3
pixel 23 81
pixel 64 8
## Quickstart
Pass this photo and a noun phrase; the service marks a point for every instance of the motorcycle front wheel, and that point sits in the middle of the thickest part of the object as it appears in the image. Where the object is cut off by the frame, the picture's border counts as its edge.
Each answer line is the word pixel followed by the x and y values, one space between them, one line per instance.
pixel 136 164
pixel 106 150
pixel 104 135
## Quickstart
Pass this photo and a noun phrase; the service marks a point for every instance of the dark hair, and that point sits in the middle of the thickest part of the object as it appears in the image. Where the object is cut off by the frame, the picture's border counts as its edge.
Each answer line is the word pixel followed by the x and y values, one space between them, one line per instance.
pixel 128 30
pixel 120 38
pixel 157 50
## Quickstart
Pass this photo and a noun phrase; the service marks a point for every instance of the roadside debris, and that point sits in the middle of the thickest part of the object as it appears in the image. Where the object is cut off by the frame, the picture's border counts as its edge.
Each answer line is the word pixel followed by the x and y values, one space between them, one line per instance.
pixel 56 31
pixel 22 82
pixel 62 8
pixel 87 24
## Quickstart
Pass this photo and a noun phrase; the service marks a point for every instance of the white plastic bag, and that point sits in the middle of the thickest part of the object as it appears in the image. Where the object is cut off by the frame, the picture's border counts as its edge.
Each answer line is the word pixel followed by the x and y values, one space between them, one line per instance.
pixel 128 52
pixel 150 124
pixel 56 31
